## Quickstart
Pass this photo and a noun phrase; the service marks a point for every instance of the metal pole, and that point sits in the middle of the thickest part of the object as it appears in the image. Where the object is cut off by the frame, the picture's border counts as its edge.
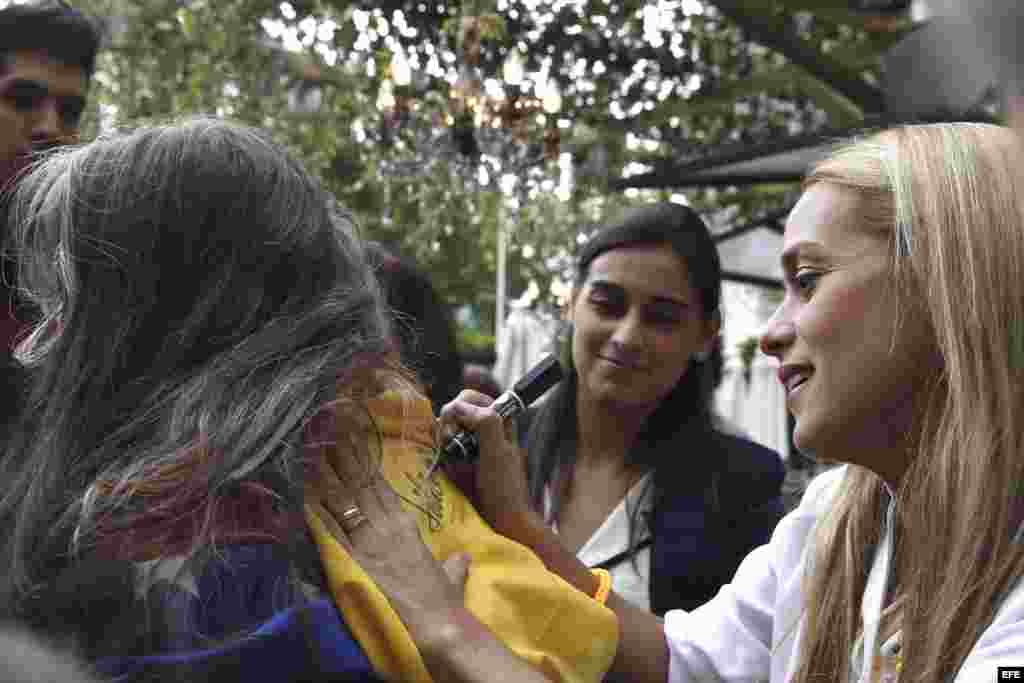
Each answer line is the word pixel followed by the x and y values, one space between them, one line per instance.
pixel 499 302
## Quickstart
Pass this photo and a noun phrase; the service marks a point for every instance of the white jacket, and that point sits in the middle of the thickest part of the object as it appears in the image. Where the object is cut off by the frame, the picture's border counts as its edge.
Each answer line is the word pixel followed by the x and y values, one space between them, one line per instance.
pixel 748 632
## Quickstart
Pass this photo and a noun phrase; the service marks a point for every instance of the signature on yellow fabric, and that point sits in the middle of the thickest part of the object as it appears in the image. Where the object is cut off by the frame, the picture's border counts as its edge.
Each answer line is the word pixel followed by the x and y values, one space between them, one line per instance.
pixel 537 615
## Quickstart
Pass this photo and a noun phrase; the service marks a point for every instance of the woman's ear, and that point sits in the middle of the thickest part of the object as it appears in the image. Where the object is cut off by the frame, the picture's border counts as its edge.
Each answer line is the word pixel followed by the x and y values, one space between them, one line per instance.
pixel 713 327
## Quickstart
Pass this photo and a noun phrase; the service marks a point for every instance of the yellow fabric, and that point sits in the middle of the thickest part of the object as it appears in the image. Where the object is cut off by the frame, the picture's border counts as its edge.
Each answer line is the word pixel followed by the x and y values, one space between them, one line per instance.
pixel 539 616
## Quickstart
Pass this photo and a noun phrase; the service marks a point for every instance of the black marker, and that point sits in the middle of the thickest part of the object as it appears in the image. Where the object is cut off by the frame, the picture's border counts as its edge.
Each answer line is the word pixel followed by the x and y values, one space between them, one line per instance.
pixel 463 446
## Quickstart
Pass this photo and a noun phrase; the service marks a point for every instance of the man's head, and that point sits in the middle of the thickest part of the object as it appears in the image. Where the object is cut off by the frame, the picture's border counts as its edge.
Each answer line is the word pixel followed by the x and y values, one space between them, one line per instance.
pixel 47 55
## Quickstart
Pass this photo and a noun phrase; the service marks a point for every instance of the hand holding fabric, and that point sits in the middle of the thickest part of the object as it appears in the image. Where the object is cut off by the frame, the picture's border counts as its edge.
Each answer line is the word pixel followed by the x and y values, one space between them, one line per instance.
pixel 382 523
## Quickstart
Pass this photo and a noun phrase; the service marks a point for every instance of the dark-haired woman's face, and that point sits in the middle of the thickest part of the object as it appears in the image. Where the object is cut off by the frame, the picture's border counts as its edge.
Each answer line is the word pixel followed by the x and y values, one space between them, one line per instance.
pixel 636 324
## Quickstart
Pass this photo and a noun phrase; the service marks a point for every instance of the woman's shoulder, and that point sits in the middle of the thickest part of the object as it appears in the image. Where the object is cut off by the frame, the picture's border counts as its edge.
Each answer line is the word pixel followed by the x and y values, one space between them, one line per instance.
pixel 746 467
pixel 741 472
pixel 744 455
pixel 1002 643
pixel 821 491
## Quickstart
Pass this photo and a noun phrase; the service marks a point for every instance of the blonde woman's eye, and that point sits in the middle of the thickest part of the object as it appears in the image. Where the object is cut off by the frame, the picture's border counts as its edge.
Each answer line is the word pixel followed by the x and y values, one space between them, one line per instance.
pixel 805 281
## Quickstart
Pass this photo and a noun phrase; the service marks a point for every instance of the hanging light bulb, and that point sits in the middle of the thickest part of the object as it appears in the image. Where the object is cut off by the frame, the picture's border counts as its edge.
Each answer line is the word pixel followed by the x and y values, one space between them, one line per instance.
pixel 551 100
pixel 401 73
pixel 512 71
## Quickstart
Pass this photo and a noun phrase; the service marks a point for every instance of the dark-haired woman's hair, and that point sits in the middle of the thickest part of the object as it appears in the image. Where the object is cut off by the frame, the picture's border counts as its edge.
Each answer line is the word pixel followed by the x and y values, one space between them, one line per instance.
pixel 423 325
pixel 686 410
pixel 202 298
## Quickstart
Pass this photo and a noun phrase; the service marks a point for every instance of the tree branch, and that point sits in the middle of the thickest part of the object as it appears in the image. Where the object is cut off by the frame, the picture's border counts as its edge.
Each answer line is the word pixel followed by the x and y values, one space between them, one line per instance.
pixel 773 32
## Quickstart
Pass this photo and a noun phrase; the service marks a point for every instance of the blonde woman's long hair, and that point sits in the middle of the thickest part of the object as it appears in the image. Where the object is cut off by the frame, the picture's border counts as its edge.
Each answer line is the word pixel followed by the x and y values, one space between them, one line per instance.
pixel 949 198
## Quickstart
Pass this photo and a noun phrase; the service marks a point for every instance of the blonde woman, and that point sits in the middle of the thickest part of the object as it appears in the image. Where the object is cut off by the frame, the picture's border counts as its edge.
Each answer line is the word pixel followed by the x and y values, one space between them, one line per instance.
pixel 901 347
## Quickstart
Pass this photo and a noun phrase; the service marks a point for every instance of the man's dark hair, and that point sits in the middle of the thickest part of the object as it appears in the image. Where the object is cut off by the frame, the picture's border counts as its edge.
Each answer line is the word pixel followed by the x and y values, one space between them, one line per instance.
pixel 53 26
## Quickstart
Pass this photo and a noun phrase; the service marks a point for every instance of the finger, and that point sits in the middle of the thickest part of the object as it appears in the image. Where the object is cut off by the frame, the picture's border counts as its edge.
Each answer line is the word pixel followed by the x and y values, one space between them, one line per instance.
pixel 456 568
pixel 321 439
pixel 468 396
pixel 474 397
pixel 375 498
pixel 318 441
pixel 444 426
pixel 325 516
pixel 338 498
pixel 327 484
pixel 465 414
pixel 482 420
pixel 338 434
pixel 351 452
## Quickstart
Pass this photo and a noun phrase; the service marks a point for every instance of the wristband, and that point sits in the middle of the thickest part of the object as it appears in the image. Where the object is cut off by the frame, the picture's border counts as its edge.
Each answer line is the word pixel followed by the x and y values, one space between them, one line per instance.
pixel 604 586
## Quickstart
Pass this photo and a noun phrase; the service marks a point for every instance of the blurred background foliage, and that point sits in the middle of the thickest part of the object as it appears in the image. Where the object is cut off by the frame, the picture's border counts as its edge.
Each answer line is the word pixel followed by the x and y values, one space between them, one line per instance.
pixel 638 84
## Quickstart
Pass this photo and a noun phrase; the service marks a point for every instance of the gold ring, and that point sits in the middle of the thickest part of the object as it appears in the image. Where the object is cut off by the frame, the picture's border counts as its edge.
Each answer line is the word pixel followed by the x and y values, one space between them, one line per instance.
pixel 351 518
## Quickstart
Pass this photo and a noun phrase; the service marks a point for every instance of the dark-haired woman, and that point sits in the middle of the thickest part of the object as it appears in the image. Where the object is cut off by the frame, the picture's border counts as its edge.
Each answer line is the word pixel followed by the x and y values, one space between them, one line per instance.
pixel 624 457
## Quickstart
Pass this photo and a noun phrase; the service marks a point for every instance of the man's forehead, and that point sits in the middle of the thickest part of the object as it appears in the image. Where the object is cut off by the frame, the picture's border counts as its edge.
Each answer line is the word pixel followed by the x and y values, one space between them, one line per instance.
pixel 36 65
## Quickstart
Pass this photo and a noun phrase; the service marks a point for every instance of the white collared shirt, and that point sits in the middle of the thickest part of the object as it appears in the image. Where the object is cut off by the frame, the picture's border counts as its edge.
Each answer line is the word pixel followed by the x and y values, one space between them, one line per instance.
pixel 631 576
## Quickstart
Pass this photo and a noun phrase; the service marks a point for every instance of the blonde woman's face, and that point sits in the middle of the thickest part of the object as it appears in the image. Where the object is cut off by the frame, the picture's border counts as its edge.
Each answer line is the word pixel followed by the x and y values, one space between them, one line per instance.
pixel 850 383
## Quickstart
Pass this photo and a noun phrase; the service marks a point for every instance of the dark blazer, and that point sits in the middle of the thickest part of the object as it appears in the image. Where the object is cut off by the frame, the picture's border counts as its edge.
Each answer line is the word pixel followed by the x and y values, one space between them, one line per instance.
pixel 704 523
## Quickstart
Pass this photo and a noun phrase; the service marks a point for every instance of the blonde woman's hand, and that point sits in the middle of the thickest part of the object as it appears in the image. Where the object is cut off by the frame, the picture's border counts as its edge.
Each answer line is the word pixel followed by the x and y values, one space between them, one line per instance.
pixel 502 496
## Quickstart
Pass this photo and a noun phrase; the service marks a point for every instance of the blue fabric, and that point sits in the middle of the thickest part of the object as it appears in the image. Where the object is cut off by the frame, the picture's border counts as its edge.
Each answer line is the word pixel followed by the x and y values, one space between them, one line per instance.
pixel 241 593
